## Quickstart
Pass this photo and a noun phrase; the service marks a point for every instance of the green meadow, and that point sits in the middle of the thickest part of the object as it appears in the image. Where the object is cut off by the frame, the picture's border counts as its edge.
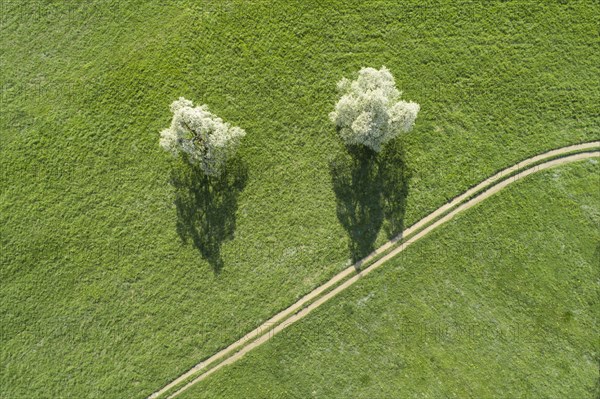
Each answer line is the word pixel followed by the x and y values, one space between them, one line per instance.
pixel 502 302
pixel 120 270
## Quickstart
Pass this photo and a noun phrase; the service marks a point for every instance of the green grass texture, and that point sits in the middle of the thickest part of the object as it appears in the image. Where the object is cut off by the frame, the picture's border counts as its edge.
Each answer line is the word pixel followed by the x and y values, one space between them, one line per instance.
pixel 120 270
pixel 501 302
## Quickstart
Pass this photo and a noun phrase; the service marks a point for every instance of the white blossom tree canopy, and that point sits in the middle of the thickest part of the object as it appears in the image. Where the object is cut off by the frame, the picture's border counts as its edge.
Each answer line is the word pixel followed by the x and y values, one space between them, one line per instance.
pixel 201 136
pixel 370 111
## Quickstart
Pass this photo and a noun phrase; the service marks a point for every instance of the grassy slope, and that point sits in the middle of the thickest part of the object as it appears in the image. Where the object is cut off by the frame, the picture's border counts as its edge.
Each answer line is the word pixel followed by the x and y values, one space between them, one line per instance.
pixel 99 296
pixel 500 303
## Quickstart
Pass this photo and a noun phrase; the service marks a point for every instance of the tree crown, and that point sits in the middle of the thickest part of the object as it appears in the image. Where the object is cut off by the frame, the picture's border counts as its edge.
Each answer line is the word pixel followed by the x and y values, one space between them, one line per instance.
pixel 370 111
pixel 202 137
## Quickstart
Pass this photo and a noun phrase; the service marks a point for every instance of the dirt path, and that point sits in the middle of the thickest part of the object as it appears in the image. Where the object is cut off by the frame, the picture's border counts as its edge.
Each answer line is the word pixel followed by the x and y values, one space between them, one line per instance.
pixel 350 275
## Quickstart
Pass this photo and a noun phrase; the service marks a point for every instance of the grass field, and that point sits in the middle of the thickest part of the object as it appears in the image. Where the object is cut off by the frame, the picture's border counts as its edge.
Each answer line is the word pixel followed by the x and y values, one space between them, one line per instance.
pixel 500 303
pixel 112 285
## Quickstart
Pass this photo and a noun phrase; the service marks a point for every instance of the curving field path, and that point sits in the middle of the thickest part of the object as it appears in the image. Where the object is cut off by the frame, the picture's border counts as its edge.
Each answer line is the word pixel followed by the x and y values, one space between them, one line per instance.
pixel 353 273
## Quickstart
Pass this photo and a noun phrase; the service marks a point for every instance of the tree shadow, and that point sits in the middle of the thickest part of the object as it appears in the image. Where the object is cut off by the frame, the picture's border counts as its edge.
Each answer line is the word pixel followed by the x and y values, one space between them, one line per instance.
pixel 206 207
pixel 395 176
pixel 357 185
pixel 370 188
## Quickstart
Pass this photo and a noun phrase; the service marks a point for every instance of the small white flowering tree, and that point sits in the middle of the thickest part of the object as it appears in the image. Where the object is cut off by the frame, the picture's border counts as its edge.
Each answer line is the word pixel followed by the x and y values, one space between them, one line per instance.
pixel 370 111
pixel 203 138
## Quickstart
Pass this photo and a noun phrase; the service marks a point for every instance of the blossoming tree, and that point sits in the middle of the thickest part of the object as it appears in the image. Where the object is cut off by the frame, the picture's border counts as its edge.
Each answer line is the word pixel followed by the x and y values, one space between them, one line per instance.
pixel 200 136
pixel 370 111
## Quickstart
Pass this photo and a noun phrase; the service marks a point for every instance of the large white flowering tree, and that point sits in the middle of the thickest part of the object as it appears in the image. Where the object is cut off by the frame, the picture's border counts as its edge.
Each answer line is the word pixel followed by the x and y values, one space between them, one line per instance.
pixel 202 137
pixel 370 111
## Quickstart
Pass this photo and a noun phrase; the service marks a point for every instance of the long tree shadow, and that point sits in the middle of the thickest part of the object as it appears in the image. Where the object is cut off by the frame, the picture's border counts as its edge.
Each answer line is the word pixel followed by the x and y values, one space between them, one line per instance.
pixel 395 176
pixel 369 189
pixel 357 185
pixel 206 207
